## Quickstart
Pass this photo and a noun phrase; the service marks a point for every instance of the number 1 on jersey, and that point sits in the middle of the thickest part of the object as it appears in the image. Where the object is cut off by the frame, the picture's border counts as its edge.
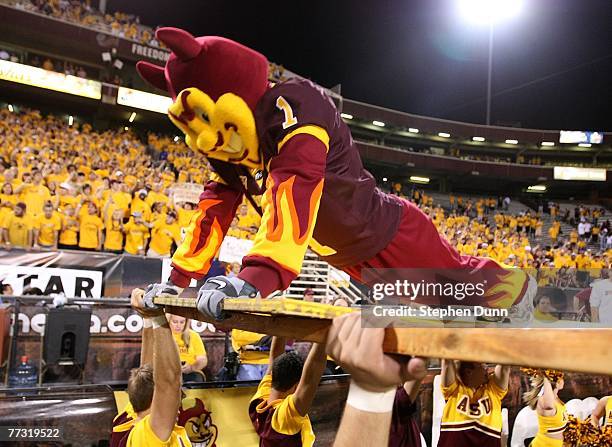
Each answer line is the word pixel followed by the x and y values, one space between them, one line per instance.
pixel 284 106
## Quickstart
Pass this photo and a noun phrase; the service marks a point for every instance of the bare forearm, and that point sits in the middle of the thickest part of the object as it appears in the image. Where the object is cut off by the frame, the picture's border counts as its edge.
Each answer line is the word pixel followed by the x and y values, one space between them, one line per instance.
pixel 200 363
pixel 277 348
pixel 315 364
pixel 502 376
pixel 311 376
pixel 363 428
pixel 447 374
pixel 167 378
pixel 146 350
pixel 166 362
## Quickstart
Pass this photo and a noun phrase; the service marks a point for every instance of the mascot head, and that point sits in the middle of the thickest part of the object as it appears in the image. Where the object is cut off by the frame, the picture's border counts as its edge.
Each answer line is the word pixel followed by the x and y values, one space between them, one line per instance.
pixel 197 421
pixel 216 84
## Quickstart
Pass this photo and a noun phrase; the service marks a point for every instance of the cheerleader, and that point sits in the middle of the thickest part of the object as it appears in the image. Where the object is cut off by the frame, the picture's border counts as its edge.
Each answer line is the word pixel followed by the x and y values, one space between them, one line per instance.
pixel 552 415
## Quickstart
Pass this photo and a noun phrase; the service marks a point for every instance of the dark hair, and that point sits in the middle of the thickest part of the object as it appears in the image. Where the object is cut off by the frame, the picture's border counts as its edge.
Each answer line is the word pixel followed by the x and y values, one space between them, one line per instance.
pixel 286 371
pixel 4 286
pixel 32 291
pixel 21 205
pixel 140 388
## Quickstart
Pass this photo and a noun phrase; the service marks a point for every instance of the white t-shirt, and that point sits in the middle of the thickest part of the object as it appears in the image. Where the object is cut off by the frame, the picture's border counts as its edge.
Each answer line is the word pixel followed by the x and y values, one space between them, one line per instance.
pixel 601 297
pixel 581 228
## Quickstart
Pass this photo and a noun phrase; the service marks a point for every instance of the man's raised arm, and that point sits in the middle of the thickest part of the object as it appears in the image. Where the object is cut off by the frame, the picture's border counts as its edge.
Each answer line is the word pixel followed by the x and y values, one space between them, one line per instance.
pixel 311 376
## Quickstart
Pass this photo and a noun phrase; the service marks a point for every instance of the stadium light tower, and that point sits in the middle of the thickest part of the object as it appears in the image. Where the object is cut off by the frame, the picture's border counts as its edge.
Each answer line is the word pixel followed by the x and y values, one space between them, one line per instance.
pixel 488 13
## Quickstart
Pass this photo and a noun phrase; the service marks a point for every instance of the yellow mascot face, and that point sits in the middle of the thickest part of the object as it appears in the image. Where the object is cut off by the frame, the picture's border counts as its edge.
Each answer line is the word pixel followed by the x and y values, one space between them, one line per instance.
pixel 197 422
pixel 224 130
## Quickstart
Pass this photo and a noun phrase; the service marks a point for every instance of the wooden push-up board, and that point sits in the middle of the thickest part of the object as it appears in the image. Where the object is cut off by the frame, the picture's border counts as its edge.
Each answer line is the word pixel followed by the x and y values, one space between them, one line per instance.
pixel 581 350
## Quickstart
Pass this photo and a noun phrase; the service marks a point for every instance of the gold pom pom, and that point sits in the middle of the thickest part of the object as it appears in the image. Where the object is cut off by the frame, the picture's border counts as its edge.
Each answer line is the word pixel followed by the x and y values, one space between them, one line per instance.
pixel 580 433
pixel 551 374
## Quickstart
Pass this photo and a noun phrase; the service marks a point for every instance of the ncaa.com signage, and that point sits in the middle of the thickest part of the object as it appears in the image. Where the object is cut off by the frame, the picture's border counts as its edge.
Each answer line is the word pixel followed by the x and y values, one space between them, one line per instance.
pixel 104 320
pixel 70 282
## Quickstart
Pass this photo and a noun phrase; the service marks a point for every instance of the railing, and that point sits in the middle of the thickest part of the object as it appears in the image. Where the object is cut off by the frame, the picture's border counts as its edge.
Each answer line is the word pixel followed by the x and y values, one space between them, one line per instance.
pixel 320 277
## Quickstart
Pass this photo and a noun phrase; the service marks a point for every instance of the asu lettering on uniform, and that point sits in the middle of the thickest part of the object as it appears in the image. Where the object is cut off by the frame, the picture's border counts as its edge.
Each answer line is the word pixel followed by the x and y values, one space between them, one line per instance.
pixel 472 416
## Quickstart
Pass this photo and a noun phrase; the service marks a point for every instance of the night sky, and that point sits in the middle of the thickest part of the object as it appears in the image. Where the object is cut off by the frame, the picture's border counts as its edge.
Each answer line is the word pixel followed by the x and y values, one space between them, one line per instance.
pixel 552 64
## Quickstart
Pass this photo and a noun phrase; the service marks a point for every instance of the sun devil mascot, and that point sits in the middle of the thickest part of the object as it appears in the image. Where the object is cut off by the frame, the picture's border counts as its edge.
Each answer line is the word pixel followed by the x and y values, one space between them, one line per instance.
pixel 315 190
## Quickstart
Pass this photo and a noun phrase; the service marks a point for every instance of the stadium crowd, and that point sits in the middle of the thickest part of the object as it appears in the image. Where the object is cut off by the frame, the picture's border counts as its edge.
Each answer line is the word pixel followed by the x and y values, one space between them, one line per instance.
pixel 75 188
pixel 484 227
pixel 72 187
pixel 120 24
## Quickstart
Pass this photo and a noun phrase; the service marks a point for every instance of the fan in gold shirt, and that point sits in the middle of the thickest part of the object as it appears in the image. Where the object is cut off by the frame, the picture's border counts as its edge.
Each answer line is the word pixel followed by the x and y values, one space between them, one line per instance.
pixel 69 233
pixel 47 227
pixel 136 235
pixel 17 228
pixel 165 232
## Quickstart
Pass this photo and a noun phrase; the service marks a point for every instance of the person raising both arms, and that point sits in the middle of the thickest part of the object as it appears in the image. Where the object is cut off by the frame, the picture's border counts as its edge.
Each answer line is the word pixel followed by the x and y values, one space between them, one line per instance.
pixel 279 408
pixel 472 413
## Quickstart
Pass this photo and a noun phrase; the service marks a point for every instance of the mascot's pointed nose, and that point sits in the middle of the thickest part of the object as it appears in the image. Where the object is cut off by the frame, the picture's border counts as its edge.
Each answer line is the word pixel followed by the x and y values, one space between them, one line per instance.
pixel 182 44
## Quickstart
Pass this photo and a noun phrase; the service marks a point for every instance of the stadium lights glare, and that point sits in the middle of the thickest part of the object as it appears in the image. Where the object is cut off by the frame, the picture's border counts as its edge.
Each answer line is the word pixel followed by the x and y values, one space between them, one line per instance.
pixel 126 128
pixel 70 120
pixel 584 144
pixel 384 179
pixel 481 139
pixel 487 12
pixel 536 188
pixel 10 108
pixel 547 143
pixel 132 117
pixel 378 123
pixel 443 134
pixel 346 116
pixel 176 138
pixel 511 141
pixel 417 179
pixel 413 130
